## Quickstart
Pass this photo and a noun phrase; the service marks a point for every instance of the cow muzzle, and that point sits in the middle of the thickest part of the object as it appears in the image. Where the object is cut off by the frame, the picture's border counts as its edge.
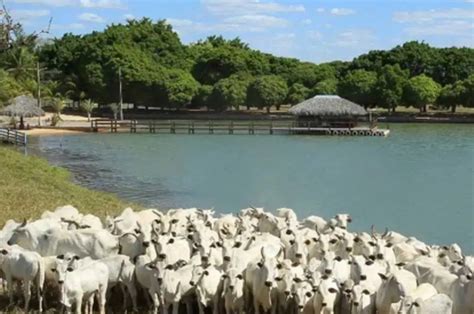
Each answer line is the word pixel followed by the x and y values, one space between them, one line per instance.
pixel 268 283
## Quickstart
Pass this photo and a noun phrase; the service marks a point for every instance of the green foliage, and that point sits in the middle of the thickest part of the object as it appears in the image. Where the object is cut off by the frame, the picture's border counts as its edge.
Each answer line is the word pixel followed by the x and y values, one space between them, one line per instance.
pixel 389 87
pixel 297 93
pixel 87 106
pixel 267 91
pixel 359 86
pixel 230 92
pixel 180 88
pixel 202 98
pixel 325 87
pixel 420 91
pixel 9 87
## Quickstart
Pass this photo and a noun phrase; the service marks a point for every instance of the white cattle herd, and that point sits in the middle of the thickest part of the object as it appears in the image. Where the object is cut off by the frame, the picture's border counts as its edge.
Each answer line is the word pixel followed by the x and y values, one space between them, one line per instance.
pixel 252 262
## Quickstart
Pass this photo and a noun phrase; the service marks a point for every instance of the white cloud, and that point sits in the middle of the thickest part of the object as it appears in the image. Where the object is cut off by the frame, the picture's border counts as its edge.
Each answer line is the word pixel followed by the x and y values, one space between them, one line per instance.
pixel 67 27
pixel 102 4
pixel 341 11
pixel 91 17
pixel 445 28
pixel 251 23
pixel 432 15
pixel 129 16
pixel 246 7
pixel 320 10
pixel 315 35
pixel 354 38
pixel 29 14
pixel 306 22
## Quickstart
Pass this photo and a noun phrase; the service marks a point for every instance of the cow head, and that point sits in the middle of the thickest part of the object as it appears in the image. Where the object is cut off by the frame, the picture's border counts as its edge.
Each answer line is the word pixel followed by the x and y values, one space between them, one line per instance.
pixel 21 236
pixel 360 298
pixel 302 292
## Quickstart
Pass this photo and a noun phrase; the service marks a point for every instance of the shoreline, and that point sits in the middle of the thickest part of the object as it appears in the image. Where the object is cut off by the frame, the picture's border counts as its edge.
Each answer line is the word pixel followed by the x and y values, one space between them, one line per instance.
pixel 52 131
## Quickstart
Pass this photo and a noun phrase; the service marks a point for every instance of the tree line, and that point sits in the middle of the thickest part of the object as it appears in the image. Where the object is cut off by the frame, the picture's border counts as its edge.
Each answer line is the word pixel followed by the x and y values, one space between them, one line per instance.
pixel 157 70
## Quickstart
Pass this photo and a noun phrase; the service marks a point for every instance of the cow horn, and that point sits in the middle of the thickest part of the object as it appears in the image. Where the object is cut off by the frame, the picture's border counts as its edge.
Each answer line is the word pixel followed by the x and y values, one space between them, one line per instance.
pixel 127 234
pixel 156 212
pixel 385 233
pixel 372 231
pixel 23 223
pixel 71 222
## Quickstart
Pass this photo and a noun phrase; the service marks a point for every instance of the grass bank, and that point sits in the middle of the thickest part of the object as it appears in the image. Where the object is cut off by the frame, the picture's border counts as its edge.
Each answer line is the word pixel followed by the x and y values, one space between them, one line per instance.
pixel 29 186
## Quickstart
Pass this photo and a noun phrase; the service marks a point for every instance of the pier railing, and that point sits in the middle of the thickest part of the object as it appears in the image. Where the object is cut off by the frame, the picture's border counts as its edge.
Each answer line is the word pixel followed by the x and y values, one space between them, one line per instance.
pixel 229 127
pixel 12 136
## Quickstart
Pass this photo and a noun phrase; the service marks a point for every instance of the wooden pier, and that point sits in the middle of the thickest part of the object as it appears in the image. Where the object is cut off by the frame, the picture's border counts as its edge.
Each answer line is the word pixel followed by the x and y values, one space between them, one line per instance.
pixel 228 127
pixel 12 136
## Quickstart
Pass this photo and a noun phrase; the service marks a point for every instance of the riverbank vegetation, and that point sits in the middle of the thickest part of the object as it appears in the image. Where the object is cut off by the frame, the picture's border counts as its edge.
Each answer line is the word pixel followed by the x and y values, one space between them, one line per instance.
pixel 157 70
pixel 29 185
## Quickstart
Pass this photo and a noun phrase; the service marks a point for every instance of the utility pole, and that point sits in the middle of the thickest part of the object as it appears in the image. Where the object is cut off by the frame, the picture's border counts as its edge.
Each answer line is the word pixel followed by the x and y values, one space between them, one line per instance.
pixel 120 94
pixel 38 83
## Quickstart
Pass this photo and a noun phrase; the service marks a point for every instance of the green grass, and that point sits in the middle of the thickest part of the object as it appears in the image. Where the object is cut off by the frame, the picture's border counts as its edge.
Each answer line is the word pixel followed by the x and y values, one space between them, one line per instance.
pixel 29 186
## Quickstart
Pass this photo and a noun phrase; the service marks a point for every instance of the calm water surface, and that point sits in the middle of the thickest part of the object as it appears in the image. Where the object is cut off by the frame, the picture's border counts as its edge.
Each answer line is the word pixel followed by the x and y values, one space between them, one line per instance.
pixel 418 181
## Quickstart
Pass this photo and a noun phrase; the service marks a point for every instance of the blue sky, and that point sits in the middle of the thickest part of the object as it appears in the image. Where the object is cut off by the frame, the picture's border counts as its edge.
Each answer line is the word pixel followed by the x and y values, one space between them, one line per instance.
pixel 316 30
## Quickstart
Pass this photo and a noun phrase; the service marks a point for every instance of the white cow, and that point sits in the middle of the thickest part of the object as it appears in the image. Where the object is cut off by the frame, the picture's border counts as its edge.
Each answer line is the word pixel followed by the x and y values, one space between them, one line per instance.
pixel 176 287
pixel 206 282
pixel 18 264
pixel 84 283
pixel 437 304
pixel 233 291
pixel 327 296
pixel 394 287
pixel 422 293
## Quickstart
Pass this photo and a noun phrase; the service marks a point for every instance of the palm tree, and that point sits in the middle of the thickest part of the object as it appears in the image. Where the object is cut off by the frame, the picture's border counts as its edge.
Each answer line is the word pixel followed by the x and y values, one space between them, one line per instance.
pixel 57 104
pixel 20 63
pixel 88 105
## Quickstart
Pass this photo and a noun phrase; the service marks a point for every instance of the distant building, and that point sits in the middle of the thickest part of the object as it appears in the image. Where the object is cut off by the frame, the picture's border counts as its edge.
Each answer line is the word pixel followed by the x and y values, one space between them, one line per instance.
pixel 328 111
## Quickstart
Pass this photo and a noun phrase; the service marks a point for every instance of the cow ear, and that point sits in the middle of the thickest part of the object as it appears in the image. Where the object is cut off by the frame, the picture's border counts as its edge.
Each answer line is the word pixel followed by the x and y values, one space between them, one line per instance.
pixel 169 267
pixel 279 266
pixel 61 256
pixel 383 276
pixel 4 252
pixel 173 234
pixel 171 241
pixel 366 292
pixel 356 239
pixel 369 262
pixel 206 273
pixel 190 236
pixel 278 278
pixel 151 266
pixel 333 241
pixel 292 242
pixel 224 276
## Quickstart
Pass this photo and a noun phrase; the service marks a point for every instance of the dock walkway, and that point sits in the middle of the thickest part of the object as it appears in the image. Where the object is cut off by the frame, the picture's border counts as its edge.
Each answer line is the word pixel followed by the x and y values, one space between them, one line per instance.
pixel 228 127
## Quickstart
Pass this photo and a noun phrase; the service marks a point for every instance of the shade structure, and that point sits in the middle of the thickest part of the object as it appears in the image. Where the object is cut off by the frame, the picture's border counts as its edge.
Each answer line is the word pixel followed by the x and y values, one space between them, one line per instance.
pixel 327 106
pixel 23 106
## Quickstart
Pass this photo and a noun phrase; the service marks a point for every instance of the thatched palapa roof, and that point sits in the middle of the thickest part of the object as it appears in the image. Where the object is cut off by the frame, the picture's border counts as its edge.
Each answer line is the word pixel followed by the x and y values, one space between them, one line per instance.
pixel 327 105
pixel 23 106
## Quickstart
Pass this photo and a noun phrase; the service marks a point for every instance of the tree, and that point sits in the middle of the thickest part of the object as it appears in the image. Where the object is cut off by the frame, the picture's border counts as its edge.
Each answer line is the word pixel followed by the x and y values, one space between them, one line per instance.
pixel 202 98
pixel 9 87
pixel 391 81
pixel 325 87
pixel 88 105
pixel 451 95
pixel 230 92
pixel 267 91
pixel 420 91
pixel 467 98
pixel 57 104
pixel 297 93
pixel 180 88
pixel 359 86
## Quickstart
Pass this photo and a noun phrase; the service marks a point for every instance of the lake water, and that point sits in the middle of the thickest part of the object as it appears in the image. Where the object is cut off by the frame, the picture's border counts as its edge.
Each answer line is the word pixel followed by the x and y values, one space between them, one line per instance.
pixel 418 181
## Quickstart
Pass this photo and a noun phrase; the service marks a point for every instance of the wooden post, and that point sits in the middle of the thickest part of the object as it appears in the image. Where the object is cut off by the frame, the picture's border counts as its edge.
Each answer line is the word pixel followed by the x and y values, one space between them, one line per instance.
pixel 271 127
pixel 173 128
pixel 211 127
pixel 192 124
pixel 120 95
pixel 38 83
pixel 231 127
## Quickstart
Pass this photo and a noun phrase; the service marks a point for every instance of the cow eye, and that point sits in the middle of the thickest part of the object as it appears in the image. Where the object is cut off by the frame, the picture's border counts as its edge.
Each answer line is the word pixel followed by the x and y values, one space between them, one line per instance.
pixel 219 244
pixel 225 276
pixel 308 294
pixel 170 241
pixel 366 292
pixel 388 245
pixel 206 273
pixel 338 258
pixel 239 276
pixel 137 231
pixel 213 245
pixel 60 256
pixel 333 241
pixel 332 290
pixel 237 244
pixel 279 266
pixel 371 243
pixel 53 270
pixel 307 242
pixel 356 239
pixel 416 304
pixel 259 264
pixel 69 269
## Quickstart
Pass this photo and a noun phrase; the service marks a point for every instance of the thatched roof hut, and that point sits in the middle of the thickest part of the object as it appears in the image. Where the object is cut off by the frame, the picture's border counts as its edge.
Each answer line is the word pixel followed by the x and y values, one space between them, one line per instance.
pixel 327 106
pixel 23 106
